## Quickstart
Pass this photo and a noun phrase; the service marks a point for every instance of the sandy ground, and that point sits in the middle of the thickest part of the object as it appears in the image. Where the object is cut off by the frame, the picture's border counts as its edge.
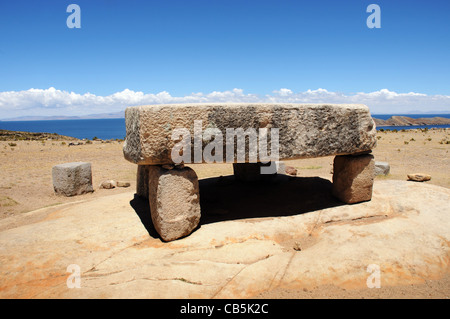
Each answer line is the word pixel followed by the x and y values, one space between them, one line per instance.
pixel 26 184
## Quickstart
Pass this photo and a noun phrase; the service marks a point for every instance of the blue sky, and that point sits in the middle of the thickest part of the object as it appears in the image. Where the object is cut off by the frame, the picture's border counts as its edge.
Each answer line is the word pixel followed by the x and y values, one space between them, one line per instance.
pixel 190 46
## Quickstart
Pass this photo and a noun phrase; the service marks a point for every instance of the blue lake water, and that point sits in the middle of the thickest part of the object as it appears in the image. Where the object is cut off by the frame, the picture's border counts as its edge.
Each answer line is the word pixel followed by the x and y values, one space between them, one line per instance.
pixel 115 128
pixel 101 128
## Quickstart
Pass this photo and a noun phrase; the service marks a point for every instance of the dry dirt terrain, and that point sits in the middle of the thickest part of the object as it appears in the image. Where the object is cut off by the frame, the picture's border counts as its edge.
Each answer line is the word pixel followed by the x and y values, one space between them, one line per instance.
pixel 26 180
pixel 26 185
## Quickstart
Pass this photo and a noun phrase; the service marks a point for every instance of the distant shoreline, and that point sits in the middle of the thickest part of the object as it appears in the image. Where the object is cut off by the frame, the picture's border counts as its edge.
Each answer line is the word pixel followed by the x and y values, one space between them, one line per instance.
pixel 114 128
pixel 9 135
pixel 121 115
pixel 409 121
pixel 6 135
pixel 393 120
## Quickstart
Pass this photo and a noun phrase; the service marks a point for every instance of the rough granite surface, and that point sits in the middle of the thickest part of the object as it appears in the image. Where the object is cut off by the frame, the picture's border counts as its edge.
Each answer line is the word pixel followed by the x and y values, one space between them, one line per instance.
pixel 305 130
pixel 174 201
pixel 71 179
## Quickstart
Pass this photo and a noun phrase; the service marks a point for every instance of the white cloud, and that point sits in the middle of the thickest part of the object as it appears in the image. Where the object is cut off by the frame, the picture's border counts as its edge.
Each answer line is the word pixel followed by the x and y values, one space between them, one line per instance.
pixel 283 92
pixel 57 102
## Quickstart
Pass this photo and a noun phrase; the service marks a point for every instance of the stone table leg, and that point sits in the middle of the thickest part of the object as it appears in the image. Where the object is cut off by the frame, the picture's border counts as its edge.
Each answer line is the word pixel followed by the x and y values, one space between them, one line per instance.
pixel 174 201
pixel 142 181
pixel 353 178
pixel 251 172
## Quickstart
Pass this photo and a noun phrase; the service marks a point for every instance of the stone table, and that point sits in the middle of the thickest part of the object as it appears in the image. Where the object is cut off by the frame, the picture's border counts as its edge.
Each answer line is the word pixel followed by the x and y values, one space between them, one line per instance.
pixel 161 138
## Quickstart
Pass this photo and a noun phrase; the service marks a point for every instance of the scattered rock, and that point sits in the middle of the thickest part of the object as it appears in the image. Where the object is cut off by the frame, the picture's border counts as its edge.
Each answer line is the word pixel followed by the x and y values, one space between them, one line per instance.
pixel 291 171
pixel 108 184
pixel 123 184
pixel 382 168
pixel 419 177
pixel 72 179
pixel 112 184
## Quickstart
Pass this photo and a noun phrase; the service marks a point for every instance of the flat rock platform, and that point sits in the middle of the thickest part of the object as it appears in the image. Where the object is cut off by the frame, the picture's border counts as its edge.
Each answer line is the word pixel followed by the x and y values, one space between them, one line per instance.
pixel 295 238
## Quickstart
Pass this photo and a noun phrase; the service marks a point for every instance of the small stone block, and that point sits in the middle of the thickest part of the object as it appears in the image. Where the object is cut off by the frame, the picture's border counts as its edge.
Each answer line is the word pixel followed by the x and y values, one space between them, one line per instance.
pixel 72 179
pixel 382 168
pixel 110 184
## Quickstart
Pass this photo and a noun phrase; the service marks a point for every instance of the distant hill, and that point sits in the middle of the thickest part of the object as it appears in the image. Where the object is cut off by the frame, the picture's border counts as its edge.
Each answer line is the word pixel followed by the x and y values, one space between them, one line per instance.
pixel 6 135
pixel 408 121
pixel 117 115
